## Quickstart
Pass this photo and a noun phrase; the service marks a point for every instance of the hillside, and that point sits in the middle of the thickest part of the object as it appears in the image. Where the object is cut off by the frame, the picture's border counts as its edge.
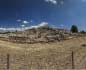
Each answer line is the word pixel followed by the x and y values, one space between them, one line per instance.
pixel 48 56
pixel 36 35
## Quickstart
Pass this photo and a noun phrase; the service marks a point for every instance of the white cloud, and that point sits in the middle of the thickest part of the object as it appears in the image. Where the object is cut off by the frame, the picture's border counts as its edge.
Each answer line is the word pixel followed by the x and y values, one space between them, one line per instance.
pixel 51 1
pixel 9 29
pixel 53 26
pixel 22 25
pixel 3 29
pixel 42 24
pixel 25 22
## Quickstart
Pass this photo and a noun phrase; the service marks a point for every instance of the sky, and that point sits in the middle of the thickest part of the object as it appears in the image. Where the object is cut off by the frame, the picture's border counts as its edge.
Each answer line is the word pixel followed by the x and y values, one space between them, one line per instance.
pixel 57 13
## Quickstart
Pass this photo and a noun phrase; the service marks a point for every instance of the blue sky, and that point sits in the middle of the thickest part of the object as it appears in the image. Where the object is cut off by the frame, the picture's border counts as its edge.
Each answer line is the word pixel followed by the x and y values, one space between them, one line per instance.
pixel 59 13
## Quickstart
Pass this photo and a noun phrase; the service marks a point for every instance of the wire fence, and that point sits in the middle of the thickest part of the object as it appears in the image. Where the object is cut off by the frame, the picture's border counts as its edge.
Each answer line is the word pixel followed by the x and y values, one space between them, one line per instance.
pixel 57 61
pixel 36 62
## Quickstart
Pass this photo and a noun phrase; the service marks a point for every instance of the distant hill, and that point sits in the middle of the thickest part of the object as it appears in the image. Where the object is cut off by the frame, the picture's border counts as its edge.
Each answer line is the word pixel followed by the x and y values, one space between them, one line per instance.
pixel 39 34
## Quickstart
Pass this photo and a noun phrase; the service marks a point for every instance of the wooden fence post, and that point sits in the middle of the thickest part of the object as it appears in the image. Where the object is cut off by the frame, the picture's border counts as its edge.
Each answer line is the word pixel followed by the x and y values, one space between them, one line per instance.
pixel 8 56
pixel 73 66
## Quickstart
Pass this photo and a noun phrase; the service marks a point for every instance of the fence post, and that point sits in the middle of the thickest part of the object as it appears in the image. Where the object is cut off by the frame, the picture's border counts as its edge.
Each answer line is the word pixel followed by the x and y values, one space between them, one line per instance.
pixel 8 56
pixel 73 66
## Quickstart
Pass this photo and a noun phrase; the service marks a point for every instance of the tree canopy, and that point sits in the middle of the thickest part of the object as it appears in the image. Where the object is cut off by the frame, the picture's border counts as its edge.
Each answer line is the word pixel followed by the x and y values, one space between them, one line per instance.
pixel 74 29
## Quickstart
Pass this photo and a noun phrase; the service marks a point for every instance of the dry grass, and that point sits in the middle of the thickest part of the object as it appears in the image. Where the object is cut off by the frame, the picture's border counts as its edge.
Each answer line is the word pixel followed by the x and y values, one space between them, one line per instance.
pixel 46 56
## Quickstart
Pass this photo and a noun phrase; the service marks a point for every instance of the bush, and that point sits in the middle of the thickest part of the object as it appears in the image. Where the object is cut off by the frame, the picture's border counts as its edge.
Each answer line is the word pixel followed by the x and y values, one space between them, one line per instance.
pixel 74 29
pixel 82 32
pixel 84 45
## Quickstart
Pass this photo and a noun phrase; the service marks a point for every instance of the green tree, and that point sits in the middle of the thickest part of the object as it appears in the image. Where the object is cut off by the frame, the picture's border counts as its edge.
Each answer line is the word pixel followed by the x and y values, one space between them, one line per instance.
pixel 82 32
pixel 74 29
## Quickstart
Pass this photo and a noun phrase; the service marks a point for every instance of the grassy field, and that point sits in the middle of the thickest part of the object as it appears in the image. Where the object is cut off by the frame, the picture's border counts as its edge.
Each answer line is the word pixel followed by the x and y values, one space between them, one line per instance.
pixel 44 56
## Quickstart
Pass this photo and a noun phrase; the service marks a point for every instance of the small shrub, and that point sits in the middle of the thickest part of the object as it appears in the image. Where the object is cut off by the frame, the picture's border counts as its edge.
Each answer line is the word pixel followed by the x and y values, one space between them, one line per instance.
pixel 84 45
pixel 83 32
